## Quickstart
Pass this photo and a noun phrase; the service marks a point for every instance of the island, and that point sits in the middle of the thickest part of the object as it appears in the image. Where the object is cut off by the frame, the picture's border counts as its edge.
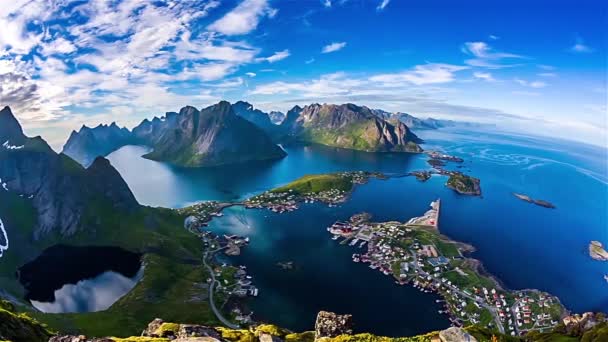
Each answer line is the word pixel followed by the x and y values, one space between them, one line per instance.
pixel 458 181
pixel 464 184
pixel 541 203
pixel 331 189
pixel 597 251
pixel 422 176
pixel 416 253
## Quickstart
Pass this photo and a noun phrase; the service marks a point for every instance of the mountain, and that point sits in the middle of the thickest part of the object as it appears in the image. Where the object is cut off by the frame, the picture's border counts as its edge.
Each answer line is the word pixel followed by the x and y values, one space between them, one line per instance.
pixel 414 122
pixel 349 126
pixel 255 116
pixel 216 135
pixel 276 117
pixel 59 188
pixel 48 199
pixel 88 143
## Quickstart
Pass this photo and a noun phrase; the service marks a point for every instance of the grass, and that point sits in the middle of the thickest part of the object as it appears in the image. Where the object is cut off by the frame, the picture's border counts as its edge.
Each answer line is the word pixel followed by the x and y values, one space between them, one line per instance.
pixel 317 183
pixel 462 183
pixel 19 326
pixel 172 287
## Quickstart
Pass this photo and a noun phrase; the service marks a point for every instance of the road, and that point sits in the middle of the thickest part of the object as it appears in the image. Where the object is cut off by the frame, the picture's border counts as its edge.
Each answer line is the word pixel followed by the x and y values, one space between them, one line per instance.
pixel 214 282
pixel 457 290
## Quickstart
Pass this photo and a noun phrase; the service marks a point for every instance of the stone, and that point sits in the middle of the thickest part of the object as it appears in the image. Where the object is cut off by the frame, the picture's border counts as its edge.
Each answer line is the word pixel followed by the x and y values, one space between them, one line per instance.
pixel 455 334
pixel 329 324
pixel 152 328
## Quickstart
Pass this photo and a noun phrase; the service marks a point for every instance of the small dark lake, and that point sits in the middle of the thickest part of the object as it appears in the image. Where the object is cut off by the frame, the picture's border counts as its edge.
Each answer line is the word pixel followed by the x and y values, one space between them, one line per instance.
pixel 90 278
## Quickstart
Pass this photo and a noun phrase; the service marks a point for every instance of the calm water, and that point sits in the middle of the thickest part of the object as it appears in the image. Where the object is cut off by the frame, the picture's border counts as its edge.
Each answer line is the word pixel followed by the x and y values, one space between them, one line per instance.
pixel 526 246
pixel 90 295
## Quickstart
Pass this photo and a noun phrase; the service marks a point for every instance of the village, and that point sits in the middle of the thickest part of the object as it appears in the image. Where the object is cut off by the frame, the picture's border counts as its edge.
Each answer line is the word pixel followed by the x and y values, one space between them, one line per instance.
pixel 331 189
pixel 416 253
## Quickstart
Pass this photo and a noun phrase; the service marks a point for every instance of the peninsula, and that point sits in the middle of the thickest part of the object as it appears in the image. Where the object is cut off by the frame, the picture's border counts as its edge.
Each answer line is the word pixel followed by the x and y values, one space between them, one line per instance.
pixel 597 251
pixel 332 189
pixel 416 253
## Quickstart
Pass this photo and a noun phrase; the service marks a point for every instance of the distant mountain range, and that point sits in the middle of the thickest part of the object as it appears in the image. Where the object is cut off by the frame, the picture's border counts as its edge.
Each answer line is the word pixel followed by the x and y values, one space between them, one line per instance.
pixel 215 135
pixel 349 126
pixel 415 122
pixel 233 133
pixel 88 143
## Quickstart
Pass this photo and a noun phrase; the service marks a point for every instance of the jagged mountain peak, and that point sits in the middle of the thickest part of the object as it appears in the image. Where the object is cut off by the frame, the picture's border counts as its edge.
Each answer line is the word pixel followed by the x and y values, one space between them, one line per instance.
pixel 10 128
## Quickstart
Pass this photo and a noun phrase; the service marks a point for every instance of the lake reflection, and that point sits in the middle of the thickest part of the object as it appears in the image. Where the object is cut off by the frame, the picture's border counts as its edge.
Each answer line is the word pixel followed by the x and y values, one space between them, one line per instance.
pixel 90 295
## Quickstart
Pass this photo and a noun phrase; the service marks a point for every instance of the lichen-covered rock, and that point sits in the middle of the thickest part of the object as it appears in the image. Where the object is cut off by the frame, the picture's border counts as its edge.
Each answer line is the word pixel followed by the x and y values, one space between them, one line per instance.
pixel 329 324
pixel 152 328
pixel 78 338
pixel 191 330
pixel 455 334
pixel 18 327
pixel 264 337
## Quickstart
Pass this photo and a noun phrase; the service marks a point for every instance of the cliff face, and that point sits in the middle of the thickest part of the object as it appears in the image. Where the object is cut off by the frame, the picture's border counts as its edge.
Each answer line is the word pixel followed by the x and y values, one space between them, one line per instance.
pixel 213 136
pixel 255 116
pixel 349 126
pixel 276 117
pixel 59 188
pixel 88 143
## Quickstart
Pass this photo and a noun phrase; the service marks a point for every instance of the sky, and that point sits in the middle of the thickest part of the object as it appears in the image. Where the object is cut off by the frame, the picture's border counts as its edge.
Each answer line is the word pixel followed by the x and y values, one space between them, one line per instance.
pixel 536 67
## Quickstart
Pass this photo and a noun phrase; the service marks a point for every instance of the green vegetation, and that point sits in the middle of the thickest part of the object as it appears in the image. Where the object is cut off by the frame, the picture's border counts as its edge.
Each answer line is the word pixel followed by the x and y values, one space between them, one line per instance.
pixel 19 327
pixel 167 329
pixel 317 183
pixel 173 285
pixel 464 184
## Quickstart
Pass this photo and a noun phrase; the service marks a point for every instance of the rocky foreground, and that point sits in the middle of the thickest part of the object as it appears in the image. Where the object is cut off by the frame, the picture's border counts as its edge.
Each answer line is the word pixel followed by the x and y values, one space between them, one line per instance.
pixel 329 327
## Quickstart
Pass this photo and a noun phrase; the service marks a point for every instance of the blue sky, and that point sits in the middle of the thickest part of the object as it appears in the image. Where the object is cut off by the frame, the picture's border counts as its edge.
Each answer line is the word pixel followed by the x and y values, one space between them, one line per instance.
pixel 535 66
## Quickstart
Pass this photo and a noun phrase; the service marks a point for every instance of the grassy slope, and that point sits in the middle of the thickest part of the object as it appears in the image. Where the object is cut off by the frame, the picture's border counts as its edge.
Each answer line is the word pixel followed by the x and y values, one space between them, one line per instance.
pixel 20 327
pixel 171 286
pixel 317 183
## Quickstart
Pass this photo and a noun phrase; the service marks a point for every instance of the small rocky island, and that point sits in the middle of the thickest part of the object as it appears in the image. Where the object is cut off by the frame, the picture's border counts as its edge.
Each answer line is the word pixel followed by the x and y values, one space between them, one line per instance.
pixel 457 181
pixel 597 251
pixel 541 203
pixel 464 184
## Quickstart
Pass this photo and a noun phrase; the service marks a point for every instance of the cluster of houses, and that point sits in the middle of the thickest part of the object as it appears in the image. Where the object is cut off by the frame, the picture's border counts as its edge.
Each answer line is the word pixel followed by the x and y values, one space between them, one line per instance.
pixel 200 214
pixel 278 202
pixel 281 202
pixel 393 250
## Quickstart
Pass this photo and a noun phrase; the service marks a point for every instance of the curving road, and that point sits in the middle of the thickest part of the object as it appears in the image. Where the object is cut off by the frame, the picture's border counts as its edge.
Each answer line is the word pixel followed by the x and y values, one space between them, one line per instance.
pixel 217 312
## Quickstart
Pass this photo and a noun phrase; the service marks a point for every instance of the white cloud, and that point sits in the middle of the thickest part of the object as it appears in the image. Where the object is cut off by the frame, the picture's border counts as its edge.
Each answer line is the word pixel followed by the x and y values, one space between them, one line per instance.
pixel 493 37
pixel 309 61
pixel 277 56
pixel 382 5
pixel 327 3
pixel 547 74
pixel 250 74
pixel 580 47
pixel 531 84
pixel 244 18
pixel 422 74
pixel 333 47
pixel 486 76
pixel 486 57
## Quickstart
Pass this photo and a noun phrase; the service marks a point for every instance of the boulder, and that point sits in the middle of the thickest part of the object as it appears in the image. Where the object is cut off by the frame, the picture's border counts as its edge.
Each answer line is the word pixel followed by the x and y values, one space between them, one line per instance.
pixel 329 324
pixel 455 334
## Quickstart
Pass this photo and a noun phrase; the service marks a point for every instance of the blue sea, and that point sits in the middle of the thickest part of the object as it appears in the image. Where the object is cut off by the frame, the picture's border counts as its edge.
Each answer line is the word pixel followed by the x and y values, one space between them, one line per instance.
pixel 523 245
